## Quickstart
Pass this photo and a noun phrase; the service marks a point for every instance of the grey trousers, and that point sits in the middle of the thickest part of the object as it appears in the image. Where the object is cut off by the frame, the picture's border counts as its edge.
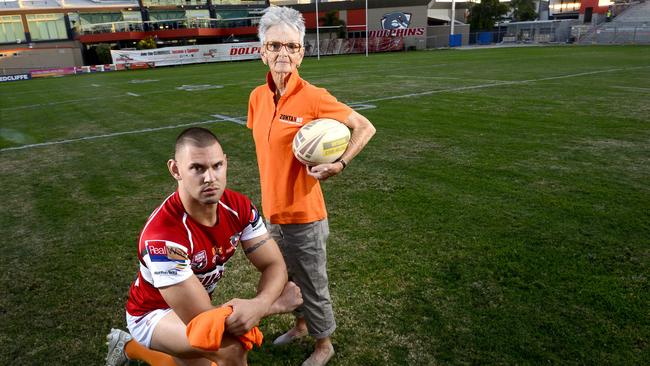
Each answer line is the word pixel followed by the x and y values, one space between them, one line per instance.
pixel 304 250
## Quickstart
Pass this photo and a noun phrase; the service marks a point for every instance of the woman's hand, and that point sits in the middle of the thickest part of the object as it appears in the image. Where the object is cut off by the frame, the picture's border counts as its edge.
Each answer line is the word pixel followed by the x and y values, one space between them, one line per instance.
pixel 324 171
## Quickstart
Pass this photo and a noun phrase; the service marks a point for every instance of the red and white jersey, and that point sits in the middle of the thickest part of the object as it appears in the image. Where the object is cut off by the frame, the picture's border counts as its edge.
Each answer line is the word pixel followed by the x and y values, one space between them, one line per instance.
pixel 173 246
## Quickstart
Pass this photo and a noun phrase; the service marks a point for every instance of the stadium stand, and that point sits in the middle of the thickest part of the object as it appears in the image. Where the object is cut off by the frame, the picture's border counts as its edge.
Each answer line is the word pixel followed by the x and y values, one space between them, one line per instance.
pixel 631 26
pixel 636 15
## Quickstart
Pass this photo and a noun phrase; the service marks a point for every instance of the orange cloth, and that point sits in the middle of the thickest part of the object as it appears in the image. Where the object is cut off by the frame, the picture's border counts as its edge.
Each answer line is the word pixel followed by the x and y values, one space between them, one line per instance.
pixel 205 331
pixel 136 351
pixel 289 195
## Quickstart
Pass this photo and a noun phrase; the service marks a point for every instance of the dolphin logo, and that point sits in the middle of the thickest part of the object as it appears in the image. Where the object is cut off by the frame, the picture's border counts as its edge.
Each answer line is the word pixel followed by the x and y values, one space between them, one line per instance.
pixel 396 20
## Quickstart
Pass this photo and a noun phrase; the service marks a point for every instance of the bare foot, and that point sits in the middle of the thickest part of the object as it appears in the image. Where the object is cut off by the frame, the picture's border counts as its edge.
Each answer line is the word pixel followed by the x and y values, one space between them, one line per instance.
pixel 299 330
pixel 321 355
pixel 289 300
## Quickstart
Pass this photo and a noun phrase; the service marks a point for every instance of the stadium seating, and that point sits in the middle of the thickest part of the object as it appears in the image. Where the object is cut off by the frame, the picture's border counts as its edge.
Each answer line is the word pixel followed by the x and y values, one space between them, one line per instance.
pixel 630 26
pixel 637 15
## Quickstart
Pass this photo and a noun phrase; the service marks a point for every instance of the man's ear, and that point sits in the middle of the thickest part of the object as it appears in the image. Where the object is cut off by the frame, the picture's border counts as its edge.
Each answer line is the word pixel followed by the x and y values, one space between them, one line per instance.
pixel 172 165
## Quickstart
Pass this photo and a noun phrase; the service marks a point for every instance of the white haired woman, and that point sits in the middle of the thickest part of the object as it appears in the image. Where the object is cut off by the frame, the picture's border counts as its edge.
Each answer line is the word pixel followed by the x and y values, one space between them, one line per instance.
pixel 292 200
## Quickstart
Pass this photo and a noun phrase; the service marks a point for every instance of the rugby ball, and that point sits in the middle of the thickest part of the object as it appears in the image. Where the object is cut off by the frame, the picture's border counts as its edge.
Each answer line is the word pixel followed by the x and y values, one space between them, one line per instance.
pixel 320 141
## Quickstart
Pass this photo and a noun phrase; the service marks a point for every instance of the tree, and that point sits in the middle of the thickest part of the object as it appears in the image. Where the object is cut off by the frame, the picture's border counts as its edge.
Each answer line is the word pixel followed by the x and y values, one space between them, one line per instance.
pixel 332 19
pixel 484 15
pixel 103 52
pixel 523 10
pixel 146 43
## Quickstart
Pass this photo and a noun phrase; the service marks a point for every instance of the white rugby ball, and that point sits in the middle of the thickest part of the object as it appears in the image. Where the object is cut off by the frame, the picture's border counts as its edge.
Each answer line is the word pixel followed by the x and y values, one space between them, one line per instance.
pixel 320 141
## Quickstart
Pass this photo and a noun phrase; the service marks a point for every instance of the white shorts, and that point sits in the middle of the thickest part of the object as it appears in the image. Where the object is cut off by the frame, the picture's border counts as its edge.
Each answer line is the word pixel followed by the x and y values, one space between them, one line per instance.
pixel 141 327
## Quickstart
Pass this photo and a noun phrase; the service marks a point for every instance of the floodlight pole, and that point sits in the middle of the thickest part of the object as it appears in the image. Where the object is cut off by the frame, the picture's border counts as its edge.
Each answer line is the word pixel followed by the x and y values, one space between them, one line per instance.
pixel 366 28
pixel 317 34
pixel 453 15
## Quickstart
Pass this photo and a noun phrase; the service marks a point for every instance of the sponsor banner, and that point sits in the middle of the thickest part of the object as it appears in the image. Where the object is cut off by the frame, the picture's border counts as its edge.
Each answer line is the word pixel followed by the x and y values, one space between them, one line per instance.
pixel 188 54
pixel 354 45
pixel 14 77
pixel 53 72
pixel 138 65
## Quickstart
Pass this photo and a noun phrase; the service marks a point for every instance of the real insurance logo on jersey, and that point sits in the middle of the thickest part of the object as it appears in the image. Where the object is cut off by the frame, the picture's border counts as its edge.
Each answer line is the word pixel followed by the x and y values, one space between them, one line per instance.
pixel 164 251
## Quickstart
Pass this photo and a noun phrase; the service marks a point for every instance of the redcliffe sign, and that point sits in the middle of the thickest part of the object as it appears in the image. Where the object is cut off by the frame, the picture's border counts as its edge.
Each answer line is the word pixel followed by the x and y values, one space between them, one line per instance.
pixel 15 77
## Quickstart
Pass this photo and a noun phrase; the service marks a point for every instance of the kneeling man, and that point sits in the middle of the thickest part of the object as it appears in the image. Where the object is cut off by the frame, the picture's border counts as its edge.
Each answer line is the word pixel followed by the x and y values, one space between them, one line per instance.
pixel 182 250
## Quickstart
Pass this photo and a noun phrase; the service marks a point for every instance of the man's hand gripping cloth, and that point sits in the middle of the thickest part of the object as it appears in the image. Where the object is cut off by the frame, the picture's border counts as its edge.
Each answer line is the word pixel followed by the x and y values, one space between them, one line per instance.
pixel 206 330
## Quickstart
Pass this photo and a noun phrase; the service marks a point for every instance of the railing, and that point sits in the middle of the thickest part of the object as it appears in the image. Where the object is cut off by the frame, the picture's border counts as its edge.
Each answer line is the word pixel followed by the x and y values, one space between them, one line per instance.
pixel 184 23
pixel 618 35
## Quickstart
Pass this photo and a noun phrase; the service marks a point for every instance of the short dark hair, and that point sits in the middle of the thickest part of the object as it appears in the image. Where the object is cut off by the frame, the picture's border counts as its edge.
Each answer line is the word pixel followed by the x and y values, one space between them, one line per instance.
pixel 196 136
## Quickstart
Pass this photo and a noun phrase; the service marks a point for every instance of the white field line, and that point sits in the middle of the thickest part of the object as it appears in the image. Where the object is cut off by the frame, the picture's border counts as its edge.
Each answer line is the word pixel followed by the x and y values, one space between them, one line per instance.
pixel 501 83
pixel 134 132
pixel 75 101
pixel 252 84
pixel 133 94
pixel 632 88
pixel 237 120
pixel 445 78
pixel 356 72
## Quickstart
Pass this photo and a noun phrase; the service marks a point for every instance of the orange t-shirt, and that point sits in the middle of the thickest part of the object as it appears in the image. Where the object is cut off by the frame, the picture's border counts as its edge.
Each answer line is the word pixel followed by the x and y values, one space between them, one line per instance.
pixel 289 195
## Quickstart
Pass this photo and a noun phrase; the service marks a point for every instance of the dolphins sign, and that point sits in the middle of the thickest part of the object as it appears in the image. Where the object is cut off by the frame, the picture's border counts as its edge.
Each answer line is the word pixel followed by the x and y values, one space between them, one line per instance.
pixel 396 20
pixel 396 24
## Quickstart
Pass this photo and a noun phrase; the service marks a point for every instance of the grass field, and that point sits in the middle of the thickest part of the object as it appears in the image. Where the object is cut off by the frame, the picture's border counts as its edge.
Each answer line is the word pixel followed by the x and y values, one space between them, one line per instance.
pixel 501 215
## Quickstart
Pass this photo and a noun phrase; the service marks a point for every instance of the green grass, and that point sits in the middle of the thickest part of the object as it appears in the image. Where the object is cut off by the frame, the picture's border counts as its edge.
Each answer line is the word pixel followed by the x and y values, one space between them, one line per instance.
pixel 495 224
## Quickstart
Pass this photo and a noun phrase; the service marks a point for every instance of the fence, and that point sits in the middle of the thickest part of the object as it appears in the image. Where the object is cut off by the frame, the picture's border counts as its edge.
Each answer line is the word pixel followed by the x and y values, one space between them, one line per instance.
pixel 485 38
pixel 616 35
pixel 339 46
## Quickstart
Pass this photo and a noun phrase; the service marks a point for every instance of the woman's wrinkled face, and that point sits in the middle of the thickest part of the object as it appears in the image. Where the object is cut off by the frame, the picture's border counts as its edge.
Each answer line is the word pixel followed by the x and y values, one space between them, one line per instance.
pixel 282 49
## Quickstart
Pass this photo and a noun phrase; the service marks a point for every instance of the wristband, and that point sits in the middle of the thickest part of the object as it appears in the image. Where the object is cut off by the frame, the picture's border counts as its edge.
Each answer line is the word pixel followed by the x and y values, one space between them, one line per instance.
pixel 343 163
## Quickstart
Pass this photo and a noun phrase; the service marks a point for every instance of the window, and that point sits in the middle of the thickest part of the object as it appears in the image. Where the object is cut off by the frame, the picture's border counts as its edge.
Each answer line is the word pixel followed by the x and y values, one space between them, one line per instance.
pixel 11 29
pixel 45 27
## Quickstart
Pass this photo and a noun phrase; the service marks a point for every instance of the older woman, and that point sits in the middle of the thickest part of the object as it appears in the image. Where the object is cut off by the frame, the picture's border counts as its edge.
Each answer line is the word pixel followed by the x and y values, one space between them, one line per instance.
pixel 292 200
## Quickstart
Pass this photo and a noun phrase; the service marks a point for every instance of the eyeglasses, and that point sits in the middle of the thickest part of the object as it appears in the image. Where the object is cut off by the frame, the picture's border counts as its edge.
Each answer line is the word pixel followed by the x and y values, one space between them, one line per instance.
pixel 292 47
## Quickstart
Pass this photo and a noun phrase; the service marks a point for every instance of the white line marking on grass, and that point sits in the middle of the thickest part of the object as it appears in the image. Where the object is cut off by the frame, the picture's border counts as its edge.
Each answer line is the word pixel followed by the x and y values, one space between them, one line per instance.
pixel 74 101
pixel 199 87
pixel 423 77
pixel 237 120
pixel 443 78
pixel 142 81
pixel 502 83
pixel 133 94
pixel 96 85
pixel 632 88
pixel 362 107
pixel 134 132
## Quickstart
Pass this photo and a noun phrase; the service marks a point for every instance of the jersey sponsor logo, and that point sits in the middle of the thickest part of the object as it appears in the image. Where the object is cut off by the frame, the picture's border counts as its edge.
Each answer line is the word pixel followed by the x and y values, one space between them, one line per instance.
pixel 169 272
pixel 234 240
pixel 163 251
pixel 217 255
pixel 157 250
pixel 255 216
pixel 199 260
pixel 176 252
pixel 209 280
pixel 290 119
